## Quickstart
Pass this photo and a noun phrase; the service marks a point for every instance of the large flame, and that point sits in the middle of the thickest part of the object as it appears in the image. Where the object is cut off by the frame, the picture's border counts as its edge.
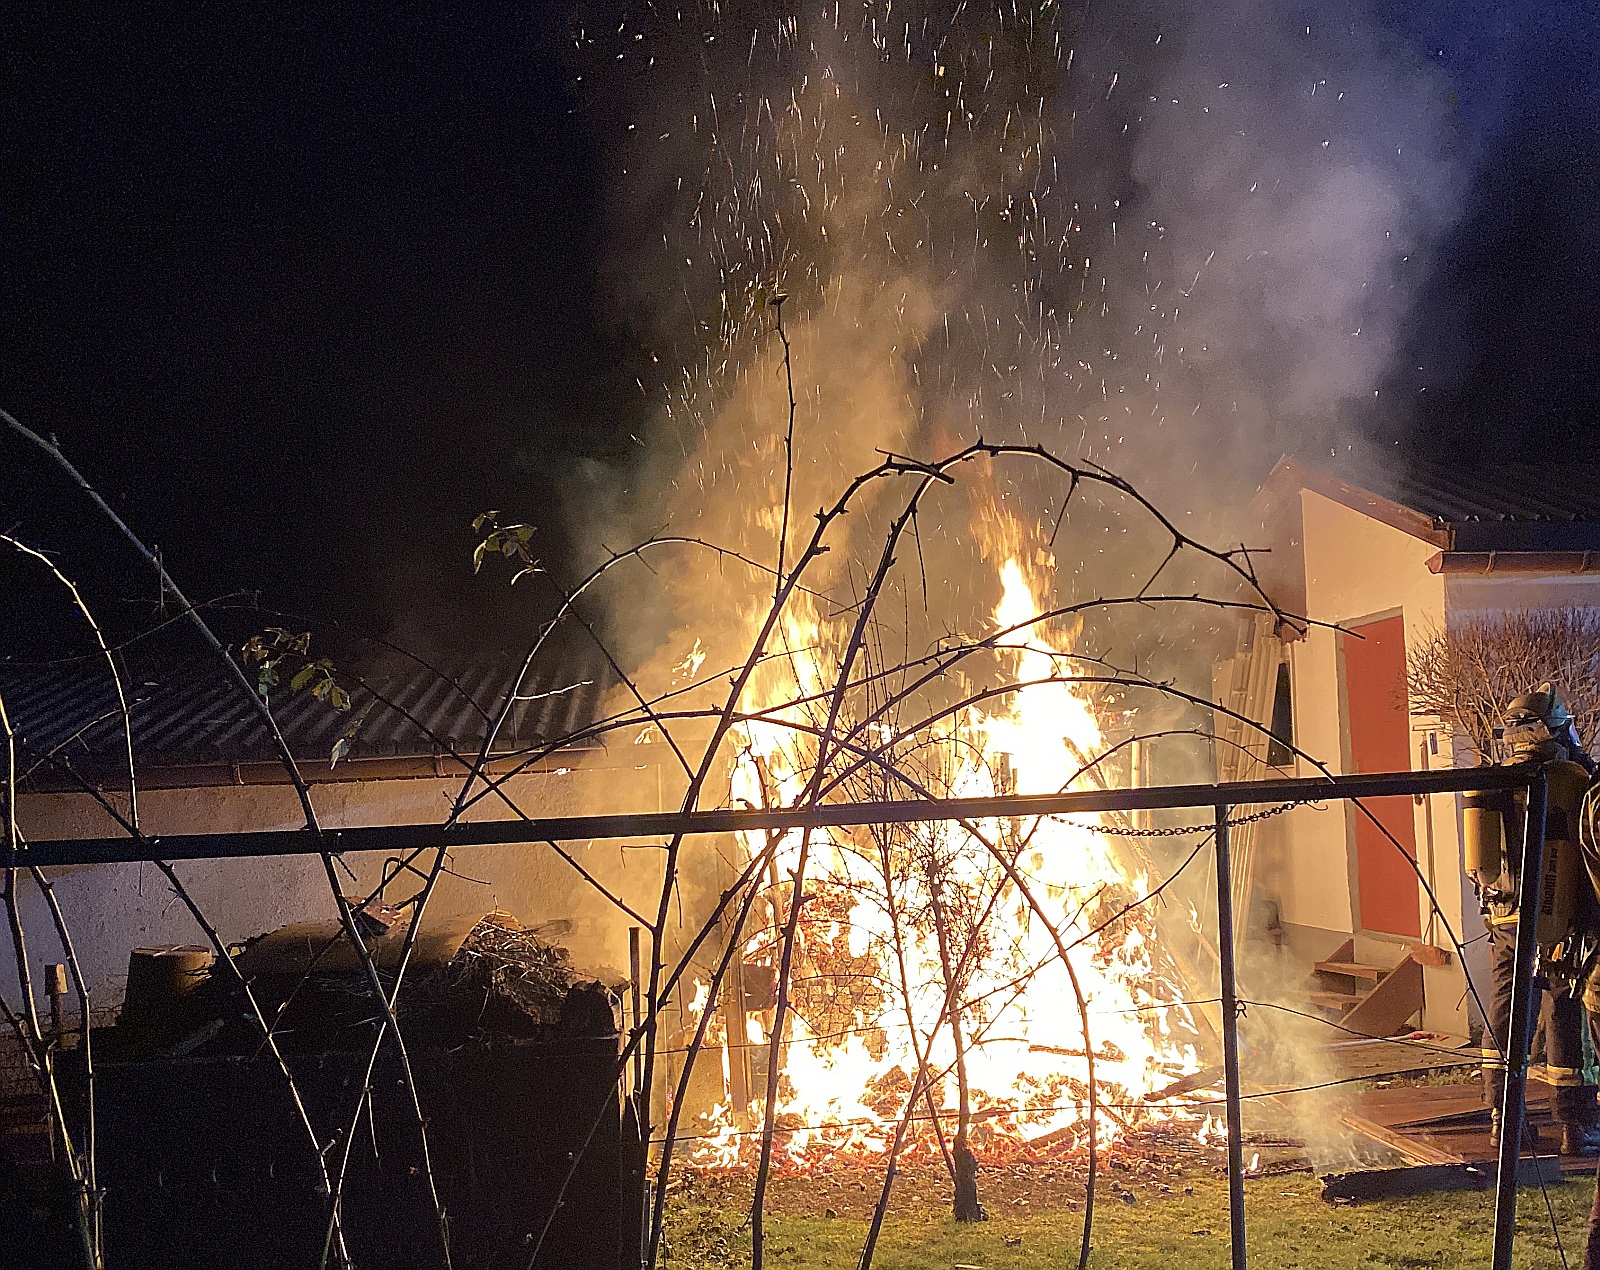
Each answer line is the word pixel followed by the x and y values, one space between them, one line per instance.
pixel 907 930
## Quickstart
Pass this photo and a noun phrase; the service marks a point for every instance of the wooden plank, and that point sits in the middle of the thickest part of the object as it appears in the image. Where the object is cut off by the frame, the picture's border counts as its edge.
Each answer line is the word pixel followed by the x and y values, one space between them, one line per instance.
pixel 1390 1005
pixel 1449 1120
pixel 1409 1102
pixel 1413 1150
pixel 1352 969
pixel 1374 1058
pixel 1427 1122
pixel 1202 1079
pixel 1421 1179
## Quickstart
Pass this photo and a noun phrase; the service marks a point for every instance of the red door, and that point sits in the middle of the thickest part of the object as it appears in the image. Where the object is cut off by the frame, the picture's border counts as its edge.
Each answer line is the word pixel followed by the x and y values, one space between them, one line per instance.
pixel 1380 741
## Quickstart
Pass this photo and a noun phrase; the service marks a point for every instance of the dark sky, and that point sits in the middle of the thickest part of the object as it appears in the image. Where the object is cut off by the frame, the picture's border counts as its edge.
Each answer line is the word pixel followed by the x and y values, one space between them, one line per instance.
pixel 304 287
pixel 1508 328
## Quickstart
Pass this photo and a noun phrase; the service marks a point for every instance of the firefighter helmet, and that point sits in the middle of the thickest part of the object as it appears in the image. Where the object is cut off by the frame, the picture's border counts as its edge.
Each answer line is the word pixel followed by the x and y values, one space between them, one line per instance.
pixel 1537 725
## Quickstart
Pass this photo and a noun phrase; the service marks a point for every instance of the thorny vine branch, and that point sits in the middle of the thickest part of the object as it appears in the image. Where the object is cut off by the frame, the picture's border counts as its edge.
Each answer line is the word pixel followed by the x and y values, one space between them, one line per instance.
pixel 855 728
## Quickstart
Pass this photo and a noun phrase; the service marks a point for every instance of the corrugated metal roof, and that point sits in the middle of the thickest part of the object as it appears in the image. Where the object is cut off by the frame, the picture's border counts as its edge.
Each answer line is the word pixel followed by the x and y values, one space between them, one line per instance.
pixel 187 712
pixel 1469 506
pixel 1504 492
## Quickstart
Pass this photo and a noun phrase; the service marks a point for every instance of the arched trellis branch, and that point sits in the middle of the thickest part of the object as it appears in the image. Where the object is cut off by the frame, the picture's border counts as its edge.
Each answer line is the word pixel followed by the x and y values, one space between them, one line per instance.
pixel 728 712
pixel 773 715
pixel 929 473
pixel 88 1172
pixel 224 956
pixel 122 712
pixel 824 741
pixel 933 665
pixel 845 749
pixel 813 794
pixel 24 1022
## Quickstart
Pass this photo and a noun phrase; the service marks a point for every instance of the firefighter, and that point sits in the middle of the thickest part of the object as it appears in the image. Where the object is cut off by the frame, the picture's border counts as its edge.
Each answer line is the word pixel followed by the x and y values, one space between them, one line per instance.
pixel 1538 728
pixel 1589 839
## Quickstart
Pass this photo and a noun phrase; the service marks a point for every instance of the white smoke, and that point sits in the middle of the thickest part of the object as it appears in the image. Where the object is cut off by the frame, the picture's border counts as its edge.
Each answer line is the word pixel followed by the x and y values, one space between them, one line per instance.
pixel 1177 239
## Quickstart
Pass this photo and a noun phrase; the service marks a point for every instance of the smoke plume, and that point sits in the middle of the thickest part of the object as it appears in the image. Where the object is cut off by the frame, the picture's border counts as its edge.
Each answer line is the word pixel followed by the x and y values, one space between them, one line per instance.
pixel 1175 240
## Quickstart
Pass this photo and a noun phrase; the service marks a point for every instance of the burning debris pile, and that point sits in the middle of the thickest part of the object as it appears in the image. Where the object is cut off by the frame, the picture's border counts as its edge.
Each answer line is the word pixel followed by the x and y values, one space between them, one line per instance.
pixel 505 981
pixel 933 273
pixel 948 974
pixel 999 986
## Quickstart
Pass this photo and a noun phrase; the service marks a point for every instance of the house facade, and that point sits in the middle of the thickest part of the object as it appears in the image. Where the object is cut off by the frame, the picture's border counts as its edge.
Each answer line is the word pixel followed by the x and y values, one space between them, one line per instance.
pixel 1378 562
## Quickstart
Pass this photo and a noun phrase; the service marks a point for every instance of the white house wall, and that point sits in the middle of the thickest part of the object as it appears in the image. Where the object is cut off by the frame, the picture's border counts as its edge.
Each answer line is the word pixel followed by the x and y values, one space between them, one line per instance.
pixel 1358 569
pixel 1467 593
pixel 111 909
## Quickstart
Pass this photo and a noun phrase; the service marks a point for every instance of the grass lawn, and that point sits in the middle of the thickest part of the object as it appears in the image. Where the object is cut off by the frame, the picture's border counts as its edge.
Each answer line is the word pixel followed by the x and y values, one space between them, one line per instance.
pixel 1140 1226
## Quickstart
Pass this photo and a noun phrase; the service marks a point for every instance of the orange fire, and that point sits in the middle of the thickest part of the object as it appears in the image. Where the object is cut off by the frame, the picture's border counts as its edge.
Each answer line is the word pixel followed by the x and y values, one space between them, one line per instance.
pixel 913 939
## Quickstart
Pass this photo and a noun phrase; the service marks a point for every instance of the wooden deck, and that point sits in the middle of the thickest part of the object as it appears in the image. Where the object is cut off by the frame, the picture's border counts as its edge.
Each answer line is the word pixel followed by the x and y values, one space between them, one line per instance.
pixel 1448 1124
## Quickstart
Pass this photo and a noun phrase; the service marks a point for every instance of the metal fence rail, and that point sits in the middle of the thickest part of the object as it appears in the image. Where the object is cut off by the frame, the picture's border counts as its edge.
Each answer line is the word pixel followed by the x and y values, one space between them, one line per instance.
pixel 219 846
pixel 1219 797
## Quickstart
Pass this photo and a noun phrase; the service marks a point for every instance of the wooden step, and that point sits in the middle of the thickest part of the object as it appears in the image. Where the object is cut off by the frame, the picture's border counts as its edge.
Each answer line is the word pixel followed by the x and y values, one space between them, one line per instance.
pixel 1352 970
pixel 1340 1001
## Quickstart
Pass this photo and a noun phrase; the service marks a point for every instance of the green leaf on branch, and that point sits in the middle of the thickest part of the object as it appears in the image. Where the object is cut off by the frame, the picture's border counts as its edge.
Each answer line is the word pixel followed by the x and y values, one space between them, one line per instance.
pixel 341 747
pixel 510 542
pixel 279 653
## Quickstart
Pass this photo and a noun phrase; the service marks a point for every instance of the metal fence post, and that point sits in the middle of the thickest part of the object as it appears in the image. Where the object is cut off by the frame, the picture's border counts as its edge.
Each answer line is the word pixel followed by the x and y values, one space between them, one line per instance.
pixel 1230 1042
pixel 1524 999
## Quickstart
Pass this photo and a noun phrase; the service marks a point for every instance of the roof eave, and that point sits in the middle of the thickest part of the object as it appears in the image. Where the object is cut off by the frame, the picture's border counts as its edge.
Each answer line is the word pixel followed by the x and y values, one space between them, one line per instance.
pixel 174 773
pixel 1385 511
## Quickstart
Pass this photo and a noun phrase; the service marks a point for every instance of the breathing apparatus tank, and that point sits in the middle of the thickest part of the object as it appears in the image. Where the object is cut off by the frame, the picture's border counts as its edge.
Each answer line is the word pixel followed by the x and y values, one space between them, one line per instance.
pixel 1483 816
pixel 1563 857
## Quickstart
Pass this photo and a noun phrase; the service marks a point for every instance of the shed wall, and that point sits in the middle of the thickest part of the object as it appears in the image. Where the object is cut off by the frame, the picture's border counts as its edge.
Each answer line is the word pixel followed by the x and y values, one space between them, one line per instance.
pixel 113 908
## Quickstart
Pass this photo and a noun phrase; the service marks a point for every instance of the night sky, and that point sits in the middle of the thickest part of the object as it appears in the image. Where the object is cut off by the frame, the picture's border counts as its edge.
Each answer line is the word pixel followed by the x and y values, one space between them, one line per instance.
pixel 303 288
